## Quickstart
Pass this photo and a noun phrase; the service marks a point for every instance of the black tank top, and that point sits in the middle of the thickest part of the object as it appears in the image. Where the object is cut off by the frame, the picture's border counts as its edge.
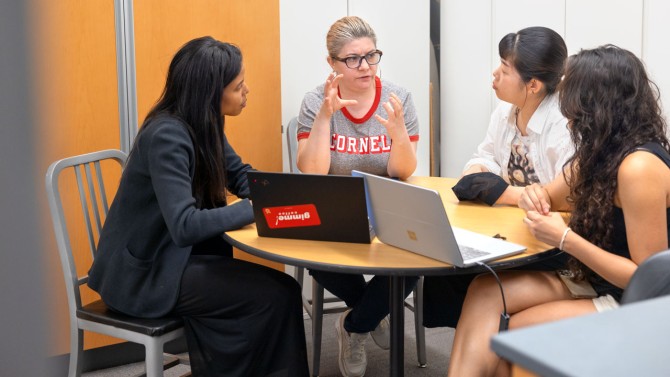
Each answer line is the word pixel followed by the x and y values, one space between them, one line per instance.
pixel 619 240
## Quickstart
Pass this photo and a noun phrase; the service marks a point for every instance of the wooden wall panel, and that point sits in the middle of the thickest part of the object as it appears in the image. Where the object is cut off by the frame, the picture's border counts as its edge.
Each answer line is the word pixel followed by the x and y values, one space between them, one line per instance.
pixel 162 27
pixel 75 78
pixel 75 65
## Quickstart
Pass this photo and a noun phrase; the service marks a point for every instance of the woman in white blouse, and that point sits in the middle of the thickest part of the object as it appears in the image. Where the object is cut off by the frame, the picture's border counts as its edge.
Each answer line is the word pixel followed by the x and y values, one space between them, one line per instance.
pixel 527 140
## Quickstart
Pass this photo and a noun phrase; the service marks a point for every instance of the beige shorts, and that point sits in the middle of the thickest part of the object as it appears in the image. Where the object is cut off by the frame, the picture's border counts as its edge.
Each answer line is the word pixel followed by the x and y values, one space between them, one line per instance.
pixel 604 303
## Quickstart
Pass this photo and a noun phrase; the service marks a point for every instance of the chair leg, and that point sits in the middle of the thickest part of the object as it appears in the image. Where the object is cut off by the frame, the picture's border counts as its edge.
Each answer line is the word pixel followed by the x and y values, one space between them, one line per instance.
pixel 76 350
pixel 157 362
pixel 317 324
pixel 154 358
pixel 418 324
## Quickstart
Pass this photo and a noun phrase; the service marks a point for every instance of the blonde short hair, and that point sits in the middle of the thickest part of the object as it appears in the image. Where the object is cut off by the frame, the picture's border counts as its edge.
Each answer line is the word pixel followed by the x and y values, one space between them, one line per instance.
pixel 345 30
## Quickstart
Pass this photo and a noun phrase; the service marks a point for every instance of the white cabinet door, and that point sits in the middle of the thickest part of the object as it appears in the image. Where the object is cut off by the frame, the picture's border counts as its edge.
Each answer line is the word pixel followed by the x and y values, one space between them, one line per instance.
pixel 303 26
pixel 465 80
pixel 403 34
pixel 591 23
pixel 655 47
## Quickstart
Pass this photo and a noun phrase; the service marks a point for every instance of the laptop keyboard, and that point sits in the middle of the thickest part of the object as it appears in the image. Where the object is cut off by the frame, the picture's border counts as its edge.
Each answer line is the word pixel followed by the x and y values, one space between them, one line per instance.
pixel 470 252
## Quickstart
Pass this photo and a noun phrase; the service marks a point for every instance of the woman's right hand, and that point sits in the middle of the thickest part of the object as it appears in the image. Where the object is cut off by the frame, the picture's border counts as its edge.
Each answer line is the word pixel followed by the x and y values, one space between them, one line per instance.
pixel 331 100
pixel 535 198
pixel 547 228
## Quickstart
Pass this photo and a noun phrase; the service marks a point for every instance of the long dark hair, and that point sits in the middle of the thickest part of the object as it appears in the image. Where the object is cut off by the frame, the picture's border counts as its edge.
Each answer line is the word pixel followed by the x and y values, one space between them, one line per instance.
pixel 612 107
pixel 536 52
pixel 198 73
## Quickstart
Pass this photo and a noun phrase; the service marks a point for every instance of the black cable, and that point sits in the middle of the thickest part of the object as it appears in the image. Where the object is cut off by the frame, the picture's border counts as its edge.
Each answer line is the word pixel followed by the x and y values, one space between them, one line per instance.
pixel 504 317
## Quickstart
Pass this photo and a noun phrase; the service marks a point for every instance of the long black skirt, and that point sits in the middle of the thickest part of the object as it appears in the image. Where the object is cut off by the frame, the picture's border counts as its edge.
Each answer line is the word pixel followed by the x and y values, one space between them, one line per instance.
pixel 241 319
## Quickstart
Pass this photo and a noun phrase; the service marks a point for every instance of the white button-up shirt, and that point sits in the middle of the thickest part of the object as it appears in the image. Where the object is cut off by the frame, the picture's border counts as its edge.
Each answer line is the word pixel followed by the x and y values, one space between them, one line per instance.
pixel 550 145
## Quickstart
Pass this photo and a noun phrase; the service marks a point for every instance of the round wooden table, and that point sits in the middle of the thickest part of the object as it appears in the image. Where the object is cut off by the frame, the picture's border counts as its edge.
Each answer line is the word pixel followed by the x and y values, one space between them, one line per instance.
pixel 377 258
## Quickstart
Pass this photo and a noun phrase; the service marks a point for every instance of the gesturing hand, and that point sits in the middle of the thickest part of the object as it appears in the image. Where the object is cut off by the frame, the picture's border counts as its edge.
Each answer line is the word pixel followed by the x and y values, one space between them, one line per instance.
pixel 396 117
pixel 332 101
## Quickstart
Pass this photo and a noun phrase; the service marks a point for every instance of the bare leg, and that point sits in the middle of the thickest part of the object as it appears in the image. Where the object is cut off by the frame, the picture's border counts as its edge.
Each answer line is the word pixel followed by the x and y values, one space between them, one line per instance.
pixel 471 354
pixel 503 368
pixel 552 311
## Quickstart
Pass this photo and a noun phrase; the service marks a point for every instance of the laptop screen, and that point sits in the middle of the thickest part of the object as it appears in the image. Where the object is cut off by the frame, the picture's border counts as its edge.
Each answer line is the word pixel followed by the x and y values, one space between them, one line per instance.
pixel 414 218
pixel 309 206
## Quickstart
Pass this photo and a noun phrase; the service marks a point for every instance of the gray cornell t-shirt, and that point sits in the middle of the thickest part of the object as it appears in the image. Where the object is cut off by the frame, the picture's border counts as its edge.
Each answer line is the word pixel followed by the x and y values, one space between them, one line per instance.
pixel 361 144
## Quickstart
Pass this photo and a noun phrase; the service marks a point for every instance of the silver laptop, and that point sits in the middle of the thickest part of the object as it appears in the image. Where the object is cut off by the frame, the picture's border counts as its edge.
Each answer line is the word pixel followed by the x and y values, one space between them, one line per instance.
pixel 413 218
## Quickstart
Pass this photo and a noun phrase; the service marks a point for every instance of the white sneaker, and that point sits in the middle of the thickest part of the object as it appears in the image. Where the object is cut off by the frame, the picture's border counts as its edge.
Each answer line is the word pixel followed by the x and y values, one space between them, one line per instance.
pixel 382 334
pixel 352 358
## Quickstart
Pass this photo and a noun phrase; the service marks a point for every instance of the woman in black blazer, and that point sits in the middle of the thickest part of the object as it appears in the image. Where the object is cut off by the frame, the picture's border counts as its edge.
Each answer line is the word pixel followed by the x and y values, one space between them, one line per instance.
pixel 161 251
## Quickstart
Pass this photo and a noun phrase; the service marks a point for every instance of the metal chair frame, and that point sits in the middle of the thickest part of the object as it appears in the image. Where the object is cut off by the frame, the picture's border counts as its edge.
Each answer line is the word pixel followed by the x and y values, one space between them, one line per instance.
pixel 96 317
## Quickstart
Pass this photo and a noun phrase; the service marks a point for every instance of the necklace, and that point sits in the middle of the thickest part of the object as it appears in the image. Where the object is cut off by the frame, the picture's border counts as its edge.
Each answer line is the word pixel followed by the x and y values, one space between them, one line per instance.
pixel 520 126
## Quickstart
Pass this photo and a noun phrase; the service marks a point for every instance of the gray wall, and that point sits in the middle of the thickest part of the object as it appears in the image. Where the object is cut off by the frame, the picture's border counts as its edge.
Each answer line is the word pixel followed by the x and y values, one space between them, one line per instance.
pixel 22 325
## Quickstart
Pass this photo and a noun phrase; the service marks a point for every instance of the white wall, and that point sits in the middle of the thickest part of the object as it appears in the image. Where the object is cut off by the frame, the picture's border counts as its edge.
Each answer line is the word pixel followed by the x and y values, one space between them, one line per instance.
pixel 472 29
pixel 403 34
pixel 656 46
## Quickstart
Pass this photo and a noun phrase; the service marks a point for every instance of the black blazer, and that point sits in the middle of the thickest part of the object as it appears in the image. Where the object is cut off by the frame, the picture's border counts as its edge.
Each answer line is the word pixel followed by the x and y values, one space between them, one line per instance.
pixel 153 223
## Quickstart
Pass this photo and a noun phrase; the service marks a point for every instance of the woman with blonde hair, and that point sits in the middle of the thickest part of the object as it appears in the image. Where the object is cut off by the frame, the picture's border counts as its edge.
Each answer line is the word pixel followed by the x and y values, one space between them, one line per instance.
pixel 355 120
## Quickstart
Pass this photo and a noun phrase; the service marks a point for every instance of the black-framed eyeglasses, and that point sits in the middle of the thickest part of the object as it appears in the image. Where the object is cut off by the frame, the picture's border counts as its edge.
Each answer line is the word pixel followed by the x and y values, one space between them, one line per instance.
pixel 355 61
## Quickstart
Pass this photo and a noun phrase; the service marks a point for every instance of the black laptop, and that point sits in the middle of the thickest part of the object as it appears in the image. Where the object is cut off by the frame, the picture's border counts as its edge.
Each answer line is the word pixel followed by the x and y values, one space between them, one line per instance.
pixel 310 206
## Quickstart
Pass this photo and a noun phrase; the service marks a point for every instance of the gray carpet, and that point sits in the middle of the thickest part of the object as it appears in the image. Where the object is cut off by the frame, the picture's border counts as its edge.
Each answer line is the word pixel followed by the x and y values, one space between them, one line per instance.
pixel 438 347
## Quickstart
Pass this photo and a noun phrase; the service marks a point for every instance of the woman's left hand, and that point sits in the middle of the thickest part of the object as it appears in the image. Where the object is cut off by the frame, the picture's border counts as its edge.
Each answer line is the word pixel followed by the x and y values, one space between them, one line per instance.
pixel 546 228
pixel 396 116
pixel 535 198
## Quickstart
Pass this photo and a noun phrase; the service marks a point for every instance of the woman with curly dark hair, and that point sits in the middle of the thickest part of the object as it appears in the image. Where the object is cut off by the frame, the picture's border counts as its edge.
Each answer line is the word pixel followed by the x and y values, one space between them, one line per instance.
pixel 618 188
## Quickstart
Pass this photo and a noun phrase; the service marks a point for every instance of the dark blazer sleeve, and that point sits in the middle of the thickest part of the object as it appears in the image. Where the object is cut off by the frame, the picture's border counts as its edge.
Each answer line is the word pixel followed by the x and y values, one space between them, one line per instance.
pixel 236 170
pixel 153 222
pixel 170 168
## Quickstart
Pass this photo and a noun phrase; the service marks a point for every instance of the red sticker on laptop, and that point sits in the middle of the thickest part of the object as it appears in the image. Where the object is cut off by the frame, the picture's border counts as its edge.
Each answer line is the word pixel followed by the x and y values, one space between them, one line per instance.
pixel 291 216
